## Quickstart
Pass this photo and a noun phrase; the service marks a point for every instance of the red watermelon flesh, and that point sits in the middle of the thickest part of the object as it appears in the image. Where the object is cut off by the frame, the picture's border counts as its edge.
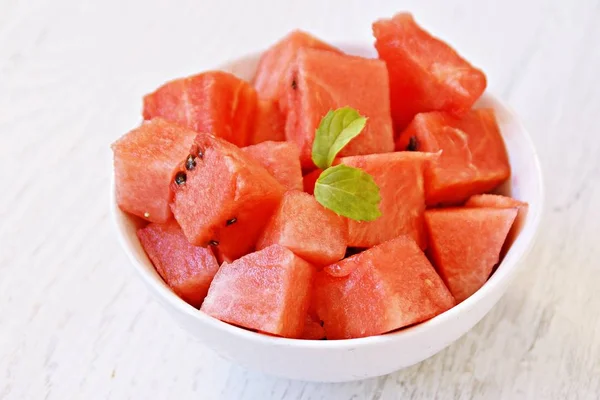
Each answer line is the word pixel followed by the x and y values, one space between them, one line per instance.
pixel 465 245
pixel 226 199
pixel 281 159
pixel 387 287
pixel 267 291
pixel 473 159
pixel 145 162
pixel 307 228
pixel 400 180
pixel 273 73
pixel 325 81
pixel 270 123
pixel 309 180
pixel 313 326
pixel 494 201
pixel 222 257
pixel 499 201
pixel 186 268
pixel 312 329
pixel 425 73
pixel 212 102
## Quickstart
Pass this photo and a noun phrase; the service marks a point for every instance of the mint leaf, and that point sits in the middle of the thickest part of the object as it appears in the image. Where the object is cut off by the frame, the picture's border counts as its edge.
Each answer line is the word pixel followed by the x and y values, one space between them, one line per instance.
pixel 335 131
pixel 350 192
pixel 345 190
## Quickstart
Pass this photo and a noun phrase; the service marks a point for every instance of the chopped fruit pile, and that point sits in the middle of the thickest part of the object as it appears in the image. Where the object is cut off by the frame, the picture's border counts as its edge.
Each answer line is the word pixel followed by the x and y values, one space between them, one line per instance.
pixel 332 196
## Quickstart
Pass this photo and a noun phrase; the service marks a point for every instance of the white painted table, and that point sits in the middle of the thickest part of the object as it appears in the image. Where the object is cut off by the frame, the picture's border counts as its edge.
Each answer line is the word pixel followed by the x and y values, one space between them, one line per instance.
pixel 75 321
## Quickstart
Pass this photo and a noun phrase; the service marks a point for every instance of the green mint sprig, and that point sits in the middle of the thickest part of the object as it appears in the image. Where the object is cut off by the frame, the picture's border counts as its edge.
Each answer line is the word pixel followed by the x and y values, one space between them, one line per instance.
pixel 345 190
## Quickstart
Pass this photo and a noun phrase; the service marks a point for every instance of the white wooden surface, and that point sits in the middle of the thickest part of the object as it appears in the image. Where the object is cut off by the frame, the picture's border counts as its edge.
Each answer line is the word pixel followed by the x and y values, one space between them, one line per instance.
pixel 75 321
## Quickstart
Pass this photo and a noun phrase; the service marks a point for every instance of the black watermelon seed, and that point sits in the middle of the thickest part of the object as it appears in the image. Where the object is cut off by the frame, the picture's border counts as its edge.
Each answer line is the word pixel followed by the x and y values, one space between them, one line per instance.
pixel 231 221
pixel 180 178
pixel 413 144
pixel 190 163
pixel 213 243
pixel 294 84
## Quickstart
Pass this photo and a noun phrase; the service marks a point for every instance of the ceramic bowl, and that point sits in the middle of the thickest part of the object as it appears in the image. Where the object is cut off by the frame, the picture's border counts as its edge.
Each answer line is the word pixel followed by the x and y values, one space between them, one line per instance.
pixel 353 359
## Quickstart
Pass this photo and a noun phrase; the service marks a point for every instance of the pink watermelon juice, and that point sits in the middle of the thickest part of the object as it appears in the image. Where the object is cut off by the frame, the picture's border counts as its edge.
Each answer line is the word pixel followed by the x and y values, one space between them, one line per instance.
pixel 329 197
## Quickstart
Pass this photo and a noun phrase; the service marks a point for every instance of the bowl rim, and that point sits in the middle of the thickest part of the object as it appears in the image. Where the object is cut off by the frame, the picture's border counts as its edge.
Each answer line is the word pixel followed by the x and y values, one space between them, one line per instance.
pixel 504 272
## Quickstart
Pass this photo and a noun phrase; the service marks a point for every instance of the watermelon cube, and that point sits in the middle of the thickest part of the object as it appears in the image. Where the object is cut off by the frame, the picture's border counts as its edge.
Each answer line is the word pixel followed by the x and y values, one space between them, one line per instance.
pixel 400 180
pixel 425 73
pixel 499 201
pixel 145 162
pixel 281 159
pixel 223 198
pixel 273 72
pixel 267 291
pixel 465 244
pixel 270 123
pixel 384 288
pixel 186 268
pixel 212 102
pixel 473 158
pixel 307 228
pixel 495 201
pixel 323 81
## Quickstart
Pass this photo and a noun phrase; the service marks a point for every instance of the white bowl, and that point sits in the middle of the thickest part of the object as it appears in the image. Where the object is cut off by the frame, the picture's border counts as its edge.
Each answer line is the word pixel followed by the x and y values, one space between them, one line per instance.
pixel 353 359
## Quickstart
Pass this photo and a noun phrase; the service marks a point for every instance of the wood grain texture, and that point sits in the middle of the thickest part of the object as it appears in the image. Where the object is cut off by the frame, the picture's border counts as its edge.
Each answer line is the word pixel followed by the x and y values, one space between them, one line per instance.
pixel 76 322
